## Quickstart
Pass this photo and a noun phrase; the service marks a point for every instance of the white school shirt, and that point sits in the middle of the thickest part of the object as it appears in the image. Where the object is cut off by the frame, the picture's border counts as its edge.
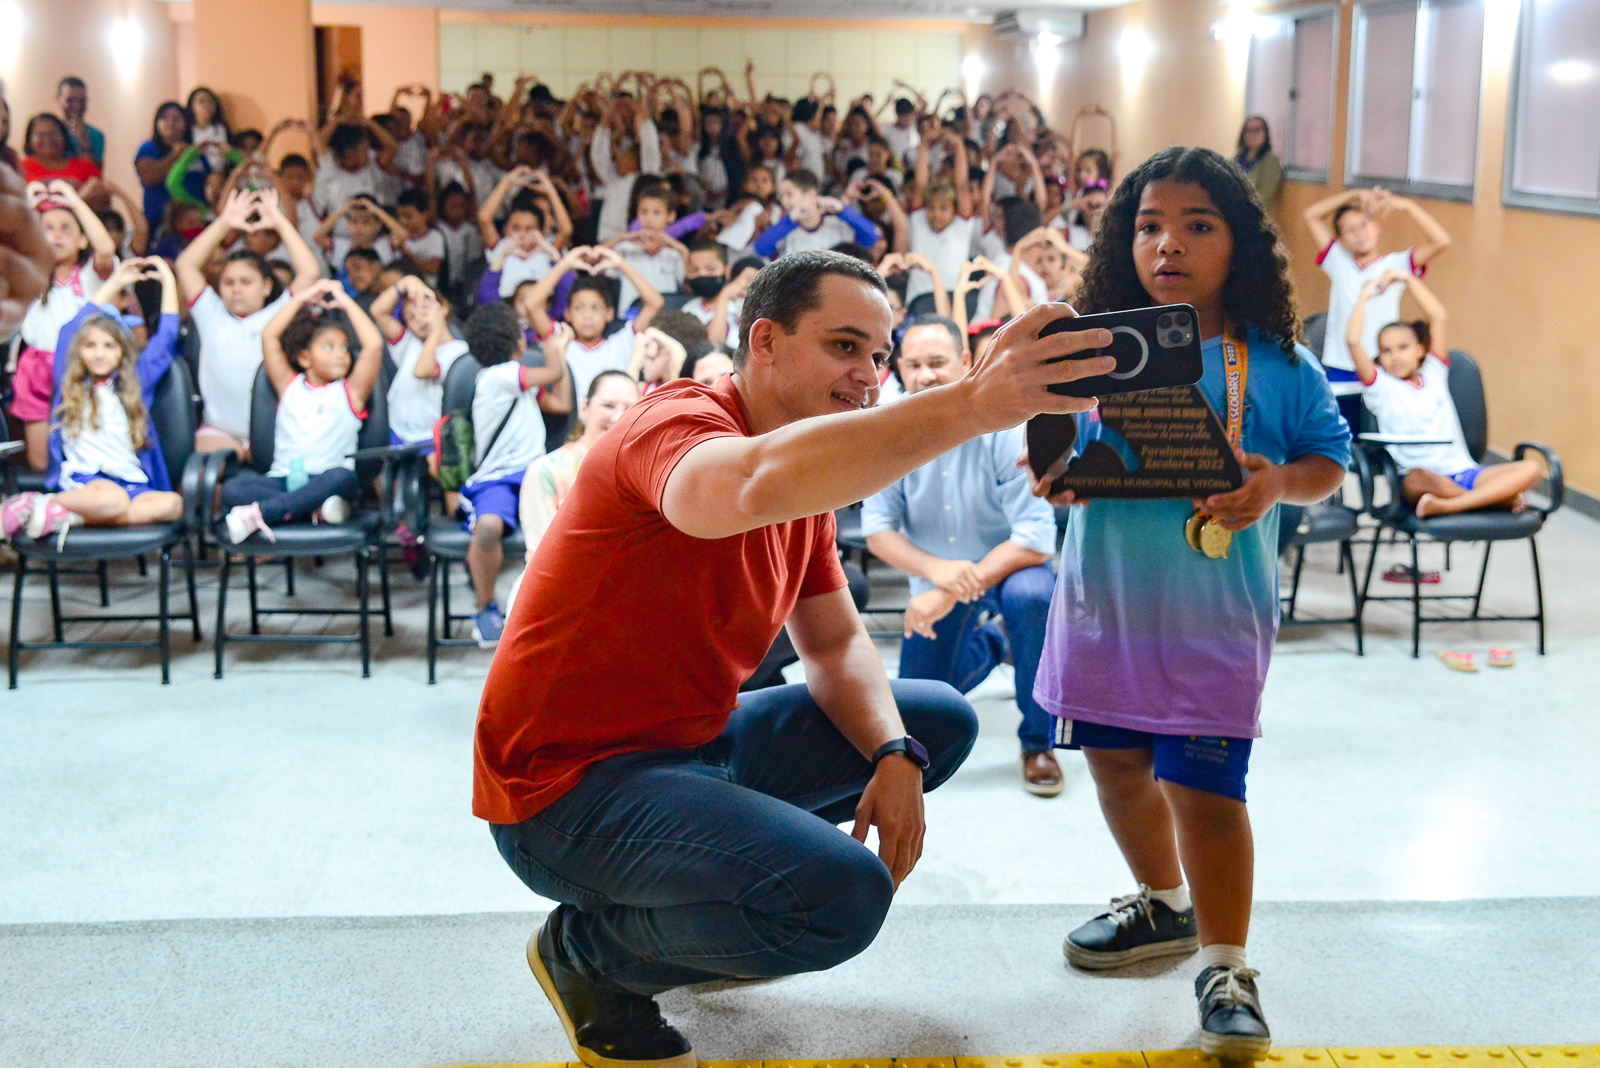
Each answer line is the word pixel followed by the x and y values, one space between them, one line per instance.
pixel 317 425
pixel 230 352
pixel 42 322
pixel 412 157
pixel 703 311
pixel 741 233
pixel 617 190
pixel 831 231
pixel 813 151
pixel 430 246
pixel 1346 277
pixel 335 187
pixel 501 389
pixel 990 244
pixel 106 449
pixel 947 249
pixel 486 174
pixel 308 222
pixel 1032 285
pixel 462 245
pixel 415 403
pixel 903 140
pixel 519 269
pixel 611 353
pixel 714 174
pixel 664 271
pixel 1420 406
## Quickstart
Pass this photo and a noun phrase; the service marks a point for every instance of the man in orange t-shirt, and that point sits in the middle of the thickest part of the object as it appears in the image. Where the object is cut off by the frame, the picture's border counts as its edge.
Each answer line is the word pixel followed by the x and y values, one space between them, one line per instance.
pixel 688 831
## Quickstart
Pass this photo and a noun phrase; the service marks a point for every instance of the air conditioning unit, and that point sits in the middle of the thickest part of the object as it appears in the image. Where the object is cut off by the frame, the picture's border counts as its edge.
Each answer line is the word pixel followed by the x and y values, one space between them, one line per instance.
pixel 1063 25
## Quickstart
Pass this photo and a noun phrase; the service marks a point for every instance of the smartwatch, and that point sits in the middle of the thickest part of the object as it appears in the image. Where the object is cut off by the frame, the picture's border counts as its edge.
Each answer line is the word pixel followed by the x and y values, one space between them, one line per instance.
pixel 913 749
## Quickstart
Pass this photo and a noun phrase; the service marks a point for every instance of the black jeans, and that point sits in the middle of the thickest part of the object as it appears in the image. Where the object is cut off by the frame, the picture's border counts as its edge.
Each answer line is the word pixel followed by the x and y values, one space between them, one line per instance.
pixel 279 504
pixel 679 866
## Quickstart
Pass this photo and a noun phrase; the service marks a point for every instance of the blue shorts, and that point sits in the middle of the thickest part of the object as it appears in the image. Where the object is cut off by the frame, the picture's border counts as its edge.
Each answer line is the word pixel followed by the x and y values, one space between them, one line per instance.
pixel 1214 765
pixel 1468 478
pixel 133 489
pixel 497 496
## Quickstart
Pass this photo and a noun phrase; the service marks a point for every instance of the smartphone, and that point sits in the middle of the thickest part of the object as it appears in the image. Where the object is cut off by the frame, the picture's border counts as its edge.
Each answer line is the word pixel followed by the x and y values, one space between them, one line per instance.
pixel 1154 348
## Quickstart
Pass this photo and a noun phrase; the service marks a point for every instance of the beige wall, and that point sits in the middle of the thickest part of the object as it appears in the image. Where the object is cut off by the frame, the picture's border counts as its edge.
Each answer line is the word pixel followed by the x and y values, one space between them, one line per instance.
pixel 61 37
pixel 258 57
pixel 566 51
pixel 399 45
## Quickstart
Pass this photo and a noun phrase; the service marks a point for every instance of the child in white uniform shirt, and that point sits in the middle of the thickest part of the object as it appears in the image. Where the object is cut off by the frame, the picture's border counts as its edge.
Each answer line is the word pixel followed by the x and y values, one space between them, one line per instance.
pixel 523 252
pixel 591 309
pixel 660 258
pixel 718 299
pixel 941 222
pixel 322 401
pixel 1408 389
pixel 231 317
pixel 423 350
pixel 508 432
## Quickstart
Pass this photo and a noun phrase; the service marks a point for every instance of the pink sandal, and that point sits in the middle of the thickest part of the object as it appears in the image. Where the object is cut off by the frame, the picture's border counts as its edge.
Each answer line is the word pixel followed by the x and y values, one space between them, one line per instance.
pixel 1458 661
pixel 1502 658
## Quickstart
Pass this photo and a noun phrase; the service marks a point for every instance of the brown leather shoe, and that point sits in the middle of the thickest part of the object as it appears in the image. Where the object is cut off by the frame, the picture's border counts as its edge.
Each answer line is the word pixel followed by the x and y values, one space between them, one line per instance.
pixel 1041 775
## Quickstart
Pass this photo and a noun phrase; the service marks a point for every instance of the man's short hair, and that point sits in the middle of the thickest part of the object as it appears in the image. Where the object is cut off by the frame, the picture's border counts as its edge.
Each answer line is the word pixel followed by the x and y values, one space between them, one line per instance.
pixel 366 255
pixel 492 333
pixel 1345 209
pixel 716 247
pixel 903 106
pixel 804 180
pixel 601 286
pixel 293 159
pixel 347 136
pixel 789 287
pixel 805 109
pixel 72 81
pixel 414 198
pixel 945 321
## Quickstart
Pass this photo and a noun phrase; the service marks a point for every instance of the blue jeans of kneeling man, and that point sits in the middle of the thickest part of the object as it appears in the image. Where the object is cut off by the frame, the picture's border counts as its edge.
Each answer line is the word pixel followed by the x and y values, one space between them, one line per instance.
pixel 964 653
pixel 680 866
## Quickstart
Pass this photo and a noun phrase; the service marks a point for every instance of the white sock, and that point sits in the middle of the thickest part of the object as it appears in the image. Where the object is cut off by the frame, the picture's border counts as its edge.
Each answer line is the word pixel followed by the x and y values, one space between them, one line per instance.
pixel 1176 899
pixel 1230 956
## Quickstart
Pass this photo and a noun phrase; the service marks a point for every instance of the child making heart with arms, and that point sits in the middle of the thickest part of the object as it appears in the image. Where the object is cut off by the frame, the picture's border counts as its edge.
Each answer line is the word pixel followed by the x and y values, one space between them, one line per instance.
pixel 322 400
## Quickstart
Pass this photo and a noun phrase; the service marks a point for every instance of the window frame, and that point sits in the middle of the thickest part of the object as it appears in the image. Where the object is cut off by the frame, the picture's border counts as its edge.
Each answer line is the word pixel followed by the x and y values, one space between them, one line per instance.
pixel 1294 18
pixel 1510 196
pixel 1464 194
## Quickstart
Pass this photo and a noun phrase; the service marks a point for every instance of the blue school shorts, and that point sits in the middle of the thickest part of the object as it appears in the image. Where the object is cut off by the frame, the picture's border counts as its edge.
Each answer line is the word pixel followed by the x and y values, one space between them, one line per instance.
pixel 1468 478
pixel 133 489
pixel 497 496
pixel 1214 765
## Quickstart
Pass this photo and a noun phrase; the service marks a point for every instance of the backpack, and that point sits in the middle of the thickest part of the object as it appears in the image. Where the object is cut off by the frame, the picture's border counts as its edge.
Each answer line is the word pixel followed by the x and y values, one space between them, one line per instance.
pixel 453 446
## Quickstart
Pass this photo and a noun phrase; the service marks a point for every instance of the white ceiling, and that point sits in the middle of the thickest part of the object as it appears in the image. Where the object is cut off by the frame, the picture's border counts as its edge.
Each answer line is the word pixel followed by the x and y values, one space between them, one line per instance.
pixel 970 10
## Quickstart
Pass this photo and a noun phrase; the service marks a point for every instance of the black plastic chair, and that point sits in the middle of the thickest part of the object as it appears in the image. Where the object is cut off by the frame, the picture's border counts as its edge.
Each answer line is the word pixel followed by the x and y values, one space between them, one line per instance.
pixel 1466 390
pixel 361 538
pixel 444 538
pixel 1316 331
pixel 1326 523
pixel 174 418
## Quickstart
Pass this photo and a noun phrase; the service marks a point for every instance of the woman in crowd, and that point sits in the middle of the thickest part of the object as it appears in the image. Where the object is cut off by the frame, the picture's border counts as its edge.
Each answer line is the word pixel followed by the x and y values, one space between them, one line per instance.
pixel 1255 157
pixel 49 154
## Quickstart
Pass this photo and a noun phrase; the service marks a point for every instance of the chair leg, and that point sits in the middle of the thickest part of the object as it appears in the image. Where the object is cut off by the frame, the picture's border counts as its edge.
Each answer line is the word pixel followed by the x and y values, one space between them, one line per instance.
pixel 194 600
pixel 1447 555
pixel 222 607
pixel 1483 574
pixel 444 597
pixel 55 601
pixel 144 566
pixel 1372 562
pixel 164 628
pixel 1416 603
pixel 361 592
pixel 250 574
pixel 288 576
pixel 1347 564
pixel 16 620
pixel 433 614
pixel 1538 592
pixel 103 573
pixel 383 585
pixel 1294 587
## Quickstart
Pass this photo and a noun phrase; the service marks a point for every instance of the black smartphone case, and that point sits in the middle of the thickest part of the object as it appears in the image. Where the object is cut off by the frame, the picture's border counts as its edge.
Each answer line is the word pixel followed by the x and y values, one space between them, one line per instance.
pixel 1154 347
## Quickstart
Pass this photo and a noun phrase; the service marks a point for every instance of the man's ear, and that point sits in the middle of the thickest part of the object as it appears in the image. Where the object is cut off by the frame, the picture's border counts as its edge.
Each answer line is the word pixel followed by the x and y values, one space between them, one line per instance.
pixel 763 332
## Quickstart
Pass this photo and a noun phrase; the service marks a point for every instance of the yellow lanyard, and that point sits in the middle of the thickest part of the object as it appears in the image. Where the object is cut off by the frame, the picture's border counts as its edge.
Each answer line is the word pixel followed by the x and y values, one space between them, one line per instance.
pixel 1236 370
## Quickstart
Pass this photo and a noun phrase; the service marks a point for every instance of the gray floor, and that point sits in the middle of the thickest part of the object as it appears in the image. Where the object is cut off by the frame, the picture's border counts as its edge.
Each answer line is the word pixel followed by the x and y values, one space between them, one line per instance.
pixel 293 788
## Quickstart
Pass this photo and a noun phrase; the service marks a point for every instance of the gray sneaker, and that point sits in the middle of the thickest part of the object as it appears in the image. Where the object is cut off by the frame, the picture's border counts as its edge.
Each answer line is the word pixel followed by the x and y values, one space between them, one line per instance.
pixel 1231 1025
pixel 1137 927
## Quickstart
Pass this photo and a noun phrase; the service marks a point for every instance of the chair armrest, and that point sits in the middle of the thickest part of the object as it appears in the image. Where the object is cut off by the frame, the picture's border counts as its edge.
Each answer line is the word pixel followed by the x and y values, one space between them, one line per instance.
pixel 1558 483
pixel 1389 471
pixel 389 453
pixel 11 448
pixel 1361 464
pixel 190 481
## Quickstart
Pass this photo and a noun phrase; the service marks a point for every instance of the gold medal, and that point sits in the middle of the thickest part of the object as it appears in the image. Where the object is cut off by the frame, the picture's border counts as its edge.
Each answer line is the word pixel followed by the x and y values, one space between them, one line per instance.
pixel 1215 539
pixel 1191 530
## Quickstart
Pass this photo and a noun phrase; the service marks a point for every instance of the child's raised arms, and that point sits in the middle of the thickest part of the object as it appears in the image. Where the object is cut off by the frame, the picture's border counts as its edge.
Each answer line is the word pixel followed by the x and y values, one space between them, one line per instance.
pixel 1432 310
pixel 516 178
pixel 538 299
pixel 102 248
pixel 650 301
pixel 327 294
pixel 410 287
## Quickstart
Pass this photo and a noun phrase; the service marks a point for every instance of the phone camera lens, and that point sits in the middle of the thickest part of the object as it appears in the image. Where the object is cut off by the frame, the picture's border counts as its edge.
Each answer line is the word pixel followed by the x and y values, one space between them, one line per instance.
pixel 1176 337
pixel 1164 321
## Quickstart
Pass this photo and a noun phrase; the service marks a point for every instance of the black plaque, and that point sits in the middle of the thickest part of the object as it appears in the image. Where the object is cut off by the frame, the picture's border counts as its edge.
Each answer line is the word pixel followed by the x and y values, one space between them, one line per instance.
pixel 1159 443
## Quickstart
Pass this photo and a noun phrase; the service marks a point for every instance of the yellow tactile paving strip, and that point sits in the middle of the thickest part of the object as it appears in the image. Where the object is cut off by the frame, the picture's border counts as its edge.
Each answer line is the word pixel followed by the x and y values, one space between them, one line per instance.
pixel 1335 1057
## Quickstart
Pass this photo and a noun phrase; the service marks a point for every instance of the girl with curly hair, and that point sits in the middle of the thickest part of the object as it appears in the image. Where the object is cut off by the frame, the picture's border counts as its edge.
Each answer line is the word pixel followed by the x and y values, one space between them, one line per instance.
pixel 1158 641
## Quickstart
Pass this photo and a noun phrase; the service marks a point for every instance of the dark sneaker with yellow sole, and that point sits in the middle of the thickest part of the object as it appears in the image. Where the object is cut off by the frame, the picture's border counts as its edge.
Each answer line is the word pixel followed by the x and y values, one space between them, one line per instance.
pixel 1231 1025
pixel 607 1028
pixel 1137 927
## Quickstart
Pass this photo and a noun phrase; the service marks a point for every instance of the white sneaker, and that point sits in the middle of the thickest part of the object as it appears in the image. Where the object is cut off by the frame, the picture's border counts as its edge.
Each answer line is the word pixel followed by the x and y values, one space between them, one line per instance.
pixel 244 520
pixel 335 510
